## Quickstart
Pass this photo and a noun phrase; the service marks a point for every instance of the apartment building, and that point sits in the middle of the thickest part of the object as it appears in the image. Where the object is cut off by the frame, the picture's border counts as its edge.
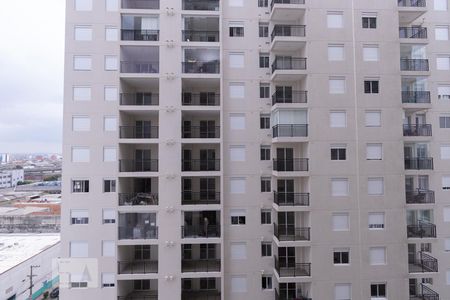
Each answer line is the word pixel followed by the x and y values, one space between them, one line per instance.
pixel 257 149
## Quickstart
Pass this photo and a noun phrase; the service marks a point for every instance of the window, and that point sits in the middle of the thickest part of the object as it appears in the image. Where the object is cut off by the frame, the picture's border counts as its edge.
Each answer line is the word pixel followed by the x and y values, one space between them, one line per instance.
pixel 336 85
pixel 264 90
pixel 82 63
pixel 80 186
pixel 335 19
pixel 373 118
pixel 236 3
pixel 108 280
pixel 78 281
pixel 83 33
pixel 445 151
pixel 378 290
pixel 109 186
pixel 108 248
pixel 81 123
pixel 335 52
pixel 237 216
pixel 238 284
pixel 340 222
pixel 374 151
pixel 266 282
pixel 342 291
pixel 447 214
pixel 110 124
pixel 238 251
pixel 338 119
pixel 440 5
pixel 111 63
pixel 266 249
pixel 377 256
pixel 441 33
pixel 83 5
pixel 237 89
pixel 263 3
pixel 371 86
pixel 111 33
pixel 446 182
pixel 236 29
pixel 266 217
pixel 339 187
pixel 264 60
pixel 444 92
pixel 341 256
pixel 237 153
pixel 112 5
pixel 265 152
pixel 265 185
pixel 375 186
pixel 236 60
pixel 237 185
pixel 237 121
pixel 447 244
pixel 81 93
pixel 369 22
pixel 447 276
pixel 443 62
pixel 79 216
pixel 370 53
pixel 80 154
pixel 109 216
pixel 444 121
pixel 376 221
pixel 264 121
pixel 78 249
pixel 111 93
pixel 338 152
pixel 263 29
pixel 109 154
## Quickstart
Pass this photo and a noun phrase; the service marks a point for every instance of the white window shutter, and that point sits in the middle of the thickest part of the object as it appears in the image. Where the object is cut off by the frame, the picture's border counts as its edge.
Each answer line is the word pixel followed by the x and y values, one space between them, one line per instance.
pixel 237 121
pixel 237 185
pixel 374 151
pixel 238 284
pixel 238 251
pixel 373 118
pixel 375 186
pixel 340 222
pixel 237 90
pixel 342 291
pixel 339 187
pixel 81 93
pixel 81 123
pixel 80 154
pixel 108 248
pixel 236 60
pixel 78 249
pixel 377 256
pixel 237 153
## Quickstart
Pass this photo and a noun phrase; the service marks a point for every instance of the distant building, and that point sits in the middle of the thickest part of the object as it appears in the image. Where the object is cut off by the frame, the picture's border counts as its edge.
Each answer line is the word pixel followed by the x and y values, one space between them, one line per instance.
pixel 10 178
pixel 4 158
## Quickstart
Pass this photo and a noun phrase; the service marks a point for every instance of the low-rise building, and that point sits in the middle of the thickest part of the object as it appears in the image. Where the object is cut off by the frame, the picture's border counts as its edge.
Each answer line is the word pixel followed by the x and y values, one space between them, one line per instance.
pixel 10 178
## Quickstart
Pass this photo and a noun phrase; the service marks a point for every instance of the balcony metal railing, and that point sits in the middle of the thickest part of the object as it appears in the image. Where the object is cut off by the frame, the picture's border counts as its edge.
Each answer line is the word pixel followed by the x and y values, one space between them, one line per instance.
pixel 140 67
pixel 288 30
pixel 417 130
pixel 412 3
pixel 422 263
pixel 190 165
pixel 199 132
pixel 420 196
pixel 416 97
pixel 192 231
pixel 291 233
pixel 413 64
pixel 138 199
pixel 200 265
pixel 140 4
pixel 138 232
pixel 283 295
pixel 200 198
pixel 291 165
pixel 199 67
pixel 140 296
pixel 423 293
pixel 138 132
pixel 294 2
pixel 201 99
pixel 422 163
pixel 293 97
pixel 291 199
pixel 201 5
pixel 293 269
pixel 288 63
pixel 139 35
pixel 413 32
pixel 200 35
pixel 200 295
pixel 137 267
pixel 145 165
pixel 421 230
pixel 139 99
pixel 290 130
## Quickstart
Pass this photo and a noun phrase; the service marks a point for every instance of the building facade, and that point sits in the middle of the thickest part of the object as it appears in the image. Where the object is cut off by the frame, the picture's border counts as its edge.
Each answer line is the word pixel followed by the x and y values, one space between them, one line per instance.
pixel 10 178
pixel 264 149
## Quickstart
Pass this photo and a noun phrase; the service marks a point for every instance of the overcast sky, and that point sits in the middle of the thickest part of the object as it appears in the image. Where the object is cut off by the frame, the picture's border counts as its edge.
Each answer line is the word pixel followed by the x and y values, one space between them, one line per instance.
pixel 31 75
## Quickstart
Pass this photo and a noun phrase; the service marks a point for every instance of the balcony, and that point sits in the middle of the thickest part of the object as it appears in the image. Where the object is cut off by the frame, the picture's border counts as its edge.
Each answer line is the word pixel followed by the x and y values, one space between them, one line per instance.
pixel 291 97
pixel 199 67
pixel 200 198
pixel 199 231
pixel 422 263
pixel 413 33
pixel 140 295
pixel 200 36
pixel 420 196
pixel 138 132
pixel 291 165
pixel 417 130
pixel 201 5
pixel 410 10
pixel 291 199
pixel 200 99
pixel 137 267
pixel 138 199
pixel 291 295
pixel 144 165
pixel 139 59
pixel 200 132
pixel 291 233
pixel 288 37
pixel 198 165
pixel 412 3
pixel 421 230
pixel 139 99
pixel 288 68
pixel 290 130
pixel 416 65
pixel 422 292
pixel 287 10
pixel 140 4
pixel 422 163
pixel 140 67
pixel 139 35
pixel 200 265
pixel 144 232
pixel 292 269
pixel 418 97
